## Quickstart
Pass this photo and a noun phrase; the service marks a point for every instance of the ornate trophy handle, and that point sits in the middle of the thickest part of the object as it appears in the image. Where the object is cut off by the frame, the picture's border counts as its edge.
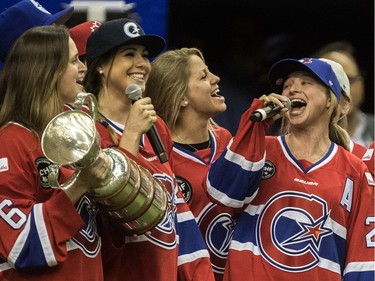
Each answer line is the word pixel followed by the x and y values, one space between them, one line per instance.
pixel 82 98
pixel 54 175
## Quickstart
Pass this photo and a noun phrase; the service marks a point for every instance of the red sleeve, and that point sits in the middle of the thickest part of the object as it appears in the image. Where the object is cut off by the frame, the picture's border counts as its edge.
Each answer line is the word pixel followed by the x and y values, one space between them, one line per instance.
pixel 34 227
pixel 359 262
pixel 369 158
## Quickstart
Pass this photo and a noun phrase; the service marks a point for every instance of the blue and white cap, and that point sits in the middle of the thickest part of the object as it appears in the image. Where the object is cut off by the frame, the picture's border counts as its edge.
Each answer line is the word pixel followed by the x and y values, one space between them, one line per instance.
pixel 341 76
pixel 280 71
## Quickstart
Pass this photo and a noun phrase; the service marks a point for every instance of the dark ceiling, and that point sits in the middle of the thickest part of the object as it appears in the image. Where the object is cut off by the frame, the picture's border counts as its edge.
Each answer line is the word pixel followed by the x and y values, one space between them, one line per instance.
pixel 241 35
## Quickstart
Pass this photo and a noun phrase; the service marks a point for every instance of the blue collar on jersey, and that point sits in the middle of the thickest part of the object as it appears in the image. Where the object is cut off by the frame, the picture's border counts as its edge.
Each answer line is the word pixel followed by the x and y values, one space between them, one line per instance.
pixel 291 157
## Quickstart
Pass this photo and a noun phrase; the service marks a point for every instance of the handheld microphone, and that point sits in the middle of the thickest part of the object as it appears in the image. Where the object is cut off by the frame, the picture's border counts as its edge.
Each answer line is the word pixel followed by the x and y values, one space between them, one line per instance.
pixel 271 109
pixel 134 93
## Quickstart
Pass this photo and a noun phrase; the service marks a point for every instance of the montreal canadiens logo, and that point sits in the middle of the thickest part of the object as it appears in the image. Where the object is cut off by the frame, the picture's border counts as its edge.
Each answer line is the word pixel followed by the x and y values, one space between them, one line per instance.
pixel 291 229
pixel 185 188
pixel 217 226
pixel 88 240
pixel 164 234
pixel 269 170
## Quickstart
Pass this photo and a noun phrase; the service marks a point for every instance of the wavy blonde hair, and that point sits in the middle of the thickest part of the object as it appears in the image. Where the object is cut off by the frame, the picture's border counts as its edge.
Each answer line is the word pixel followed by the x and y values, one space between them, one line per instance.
pixel 168 83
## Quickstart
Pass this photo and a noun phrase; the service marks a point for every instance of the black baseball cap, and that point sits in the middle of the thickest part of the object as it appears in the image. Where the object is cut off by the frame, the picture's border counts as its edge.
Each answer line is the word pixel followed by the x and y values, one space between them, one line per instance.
pixel 114 33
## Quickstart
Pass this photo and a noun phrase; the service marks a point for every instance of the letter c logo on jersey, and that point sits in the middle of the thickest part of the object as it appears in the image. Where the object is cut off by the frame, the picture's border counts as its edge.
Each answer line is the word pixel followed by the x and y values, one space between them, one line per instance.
pixel 164 234
pixel 290 230
pixel 217 226
pixel 87 240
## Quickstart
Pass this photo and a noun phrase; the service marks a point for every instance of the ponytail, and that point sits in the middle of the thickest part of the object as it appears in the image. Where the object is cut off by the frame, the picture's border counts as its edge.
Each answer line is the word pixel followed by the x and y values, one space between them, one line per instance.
pixel 337 133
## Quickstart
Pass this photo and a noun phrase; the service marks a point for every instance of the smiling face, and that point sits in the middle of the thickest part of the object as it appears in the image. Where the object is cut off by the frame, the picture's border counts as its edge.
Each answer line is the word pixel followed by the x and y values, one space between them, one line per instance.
pixel 203 90
pixel 130 65
pixel 309 100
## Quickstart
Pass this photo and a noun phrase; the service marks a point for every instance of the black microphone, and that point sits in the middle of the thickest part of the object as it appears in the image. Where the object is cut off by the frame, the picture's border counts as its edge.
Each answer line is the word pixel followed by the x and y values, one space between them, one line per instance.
pixel 271 109
pixel 134 93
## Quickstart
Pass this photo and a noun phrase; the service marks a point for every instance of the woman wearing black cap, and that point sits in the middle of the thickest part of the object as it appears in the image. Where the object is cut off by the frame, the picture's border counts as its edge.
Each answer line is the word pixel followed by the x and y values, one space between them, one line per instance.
pixel 117 56
pixel 313 216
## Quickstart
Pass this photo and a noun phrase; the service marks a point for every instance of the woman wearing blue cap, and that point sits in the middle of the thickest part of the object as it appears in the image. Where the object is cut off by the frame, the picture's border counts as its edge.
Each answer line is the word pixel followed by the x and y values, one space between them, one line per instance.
pixel 313 216
pixel 118 57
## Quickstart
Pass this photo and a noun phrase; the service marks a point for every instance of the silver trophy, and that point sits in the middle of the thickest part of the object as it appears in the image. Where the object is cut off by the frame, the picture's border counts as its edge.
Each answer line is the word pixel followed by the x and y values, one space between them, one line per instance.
pixel 129 195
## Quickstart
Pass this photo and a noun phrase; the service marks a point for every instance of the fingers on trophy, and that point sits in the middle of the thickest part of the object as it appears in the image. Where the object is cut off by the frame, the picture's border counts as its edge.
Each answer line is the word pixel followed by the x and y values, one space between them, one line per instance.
pixel 128 195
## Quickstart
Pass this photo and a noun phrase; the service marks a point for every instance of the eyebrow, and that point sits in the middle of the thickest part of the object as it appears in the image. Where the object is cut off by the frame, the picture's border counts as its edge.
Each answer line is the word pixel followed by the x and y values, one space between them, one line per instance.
pixel 302 73
pixel 127 47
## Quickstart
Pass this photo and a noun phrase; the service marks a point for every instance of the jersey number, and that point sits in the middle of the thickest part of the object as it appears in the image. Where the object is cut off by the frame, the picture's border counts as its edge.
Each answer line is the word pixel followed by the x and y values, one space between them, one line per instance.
pixel 370 237
pixel 15 218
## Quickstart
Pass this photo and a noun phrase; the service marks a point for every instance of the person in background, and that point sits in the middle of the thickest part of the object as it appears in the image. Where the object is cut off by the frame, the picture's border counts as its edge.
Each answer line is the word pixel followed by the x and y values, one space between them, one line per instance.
pixel 23 15
pixel 345 105
pixel 360 125
pixel 186 95
pixel 118 55
pixel 80 33
pixel 312 217
pixel 46 233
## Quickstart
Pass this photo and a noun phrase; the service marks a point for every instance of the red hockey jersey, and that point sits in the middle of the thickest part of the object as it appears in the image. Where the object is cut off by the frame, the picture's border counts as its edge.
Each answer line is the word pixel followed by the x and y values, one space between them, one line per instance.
pixel 215 221
pixel 369 159
pixel 175 248
pixel 306 224
pixel 357 149
pixel 43 236
pixel 203 174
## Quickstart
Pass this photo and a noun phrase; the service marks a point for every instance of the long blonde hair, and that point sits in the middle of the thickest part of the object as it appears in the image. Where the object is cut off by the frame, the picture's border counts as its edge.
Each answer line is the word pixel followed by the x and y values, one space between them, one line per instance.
pixel 337 129
pixel 168 83
pixel 28 81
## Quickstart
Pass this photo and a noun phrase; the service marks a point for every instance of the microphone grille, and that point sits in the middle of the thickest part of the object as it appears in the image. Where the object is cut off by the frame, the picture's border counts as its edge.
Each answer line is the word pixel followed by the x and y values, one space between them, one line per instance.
pixel 287 104
pixel 134 92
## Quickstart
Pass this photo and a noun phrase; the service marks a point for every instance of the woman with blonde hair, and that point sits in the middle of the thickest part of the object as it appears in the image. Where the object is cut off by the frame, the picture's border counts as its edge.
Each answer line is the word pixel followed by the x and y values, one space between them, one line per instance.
pixel 186 95
pixel 311 218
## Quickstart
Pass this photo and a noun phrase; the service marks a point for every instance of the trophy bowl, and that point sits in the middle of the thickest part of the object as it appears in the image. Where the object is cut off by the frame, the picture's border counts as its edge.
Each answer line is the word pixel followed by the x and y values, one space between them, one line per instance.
pixel 71 140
